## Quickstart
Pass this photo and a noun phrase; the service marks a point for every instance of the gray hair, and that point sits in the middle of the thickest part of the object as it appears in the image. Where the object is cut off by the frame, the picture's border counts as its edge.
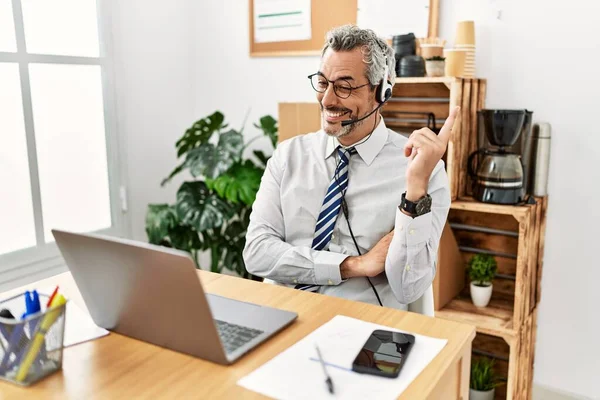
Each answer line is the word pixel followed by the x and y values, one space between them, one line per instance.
pixel 374 50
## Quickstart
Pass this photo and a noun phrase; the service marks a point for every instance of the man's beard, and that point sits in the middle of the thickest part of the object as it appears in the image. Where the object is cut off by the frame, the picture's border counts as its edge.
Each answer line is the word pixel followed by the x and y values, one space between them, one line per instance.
pixel 340 132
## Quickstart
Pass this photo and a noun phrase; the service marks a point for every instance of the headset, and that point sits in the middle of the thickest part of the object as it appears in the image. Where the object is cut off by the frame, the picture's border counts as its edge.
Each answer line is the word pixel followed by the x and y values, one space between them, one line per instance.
pixel 383 92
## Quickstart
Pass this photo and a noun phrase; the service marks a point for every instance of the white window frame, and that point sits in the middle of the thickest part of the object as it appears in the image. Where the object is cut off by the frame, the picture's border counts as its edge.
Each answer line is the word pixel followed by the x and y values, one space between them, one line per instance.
pixel 43 260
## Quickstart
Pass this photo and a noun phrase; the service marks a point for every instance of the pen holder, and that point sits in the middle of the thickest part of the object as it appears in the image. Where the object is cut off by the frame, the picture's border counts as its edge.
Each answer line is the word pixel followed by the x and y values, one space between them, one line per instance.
pixel 31 347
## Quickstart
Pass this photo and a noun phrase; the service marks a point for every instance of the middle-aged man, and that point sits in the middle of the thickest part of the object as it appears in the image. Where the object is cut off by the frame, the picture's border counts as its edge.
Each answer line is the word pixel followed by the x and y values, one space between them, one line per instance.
pixel 354 210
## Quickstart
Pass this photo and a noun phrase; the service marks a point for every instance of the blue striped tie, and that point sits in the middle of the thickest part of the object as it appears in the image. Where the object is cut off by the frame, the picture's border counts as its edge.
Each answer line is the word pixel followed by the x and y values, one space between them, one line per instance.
pixel 331 207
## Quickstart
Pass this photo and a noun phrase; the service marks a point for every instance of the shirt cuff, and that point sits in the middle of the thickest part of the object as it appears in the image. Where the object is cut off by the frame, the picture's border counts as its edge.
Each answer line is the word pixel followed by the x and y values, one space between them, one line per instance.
pixel 327 268
pixel 413 231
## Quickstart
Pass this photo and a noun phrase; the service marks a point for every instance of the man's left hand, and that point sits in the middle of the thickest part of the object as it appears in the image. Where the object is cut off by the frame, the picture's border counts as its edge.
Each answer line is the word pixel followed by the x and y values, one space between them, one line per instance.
pixel 425 149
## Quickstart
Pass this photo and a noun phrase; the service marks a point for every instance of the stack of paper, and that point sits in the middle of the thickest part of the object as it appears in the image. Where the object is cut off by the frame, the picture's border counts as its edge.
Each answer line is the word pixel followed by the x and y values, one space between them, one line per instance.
pixel 297 374
pixel 79 326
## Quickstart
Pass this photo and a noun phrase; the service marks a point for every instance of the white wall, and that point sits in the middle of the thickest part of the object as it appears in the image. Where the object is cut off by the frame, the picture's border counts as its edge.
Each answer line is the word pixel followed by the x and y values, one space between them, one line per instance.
pixel 154 74
pixel 182 60
pixel 531 58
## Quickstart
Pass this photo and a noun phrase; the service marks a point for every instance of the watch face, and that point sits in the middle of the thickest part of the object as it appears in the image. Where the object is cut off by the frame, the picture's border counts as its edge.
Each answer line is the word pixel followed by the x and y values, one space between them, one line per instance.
pixel 424 205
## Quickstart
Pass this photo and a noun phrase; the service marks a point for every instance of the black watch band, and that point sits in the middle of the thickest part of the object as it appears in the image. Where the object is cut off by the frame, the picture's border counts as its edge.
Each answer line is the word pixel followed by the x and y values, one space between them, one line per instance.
pixel 420 207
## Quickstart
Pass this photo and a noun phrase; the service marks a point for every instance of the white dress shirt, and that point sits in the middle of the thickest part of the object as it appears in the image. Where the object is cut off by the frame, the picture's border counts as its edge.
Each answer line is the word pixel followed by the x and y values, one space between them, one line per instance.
pixel 284 215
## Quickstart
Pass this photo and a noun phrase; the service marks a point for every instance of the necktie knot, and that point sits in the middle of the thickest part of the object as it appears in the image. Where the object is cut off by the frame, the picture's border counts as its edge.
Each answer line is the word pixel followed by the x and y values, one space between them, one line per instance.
pixel 345 153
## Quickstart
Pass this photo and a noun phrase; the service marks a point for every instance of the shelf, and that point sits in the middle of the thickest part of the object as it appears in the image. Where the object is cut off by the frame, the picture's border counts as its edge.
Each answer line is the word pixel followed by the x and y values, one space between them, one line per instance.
pixel 496 319
pixel 425 79
pixel 470 204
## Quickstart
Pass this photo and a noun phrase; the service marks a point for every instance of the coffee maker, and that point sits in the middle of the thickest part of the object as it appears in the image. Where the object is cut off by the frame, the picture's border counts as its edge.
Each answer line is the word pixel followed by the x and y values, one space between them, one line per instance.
pixel 498 169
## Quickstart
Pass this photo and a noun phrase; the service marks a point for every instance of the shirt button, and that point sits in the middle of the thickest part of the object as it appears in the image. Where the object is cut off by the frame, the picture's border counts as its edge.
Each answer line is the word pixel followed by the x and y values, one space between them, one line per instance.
pixel 407 268
pixel 295 280
pixel 332 237
pixel 401 228
pixel 330 282
pixel 412 232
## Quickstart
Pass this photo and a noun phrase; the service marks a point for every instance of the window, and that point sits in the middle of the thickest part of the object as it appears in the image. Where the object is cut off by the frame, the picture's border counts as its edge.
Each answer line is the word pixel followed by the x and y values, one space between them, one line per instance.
pixel 56 130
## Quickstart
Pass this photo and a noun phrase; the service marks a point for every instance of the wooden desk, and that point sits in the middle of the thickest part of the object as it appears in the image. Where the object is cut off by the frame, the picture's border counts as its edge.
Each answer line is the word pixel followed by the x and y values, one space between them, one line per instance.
pixel 116 366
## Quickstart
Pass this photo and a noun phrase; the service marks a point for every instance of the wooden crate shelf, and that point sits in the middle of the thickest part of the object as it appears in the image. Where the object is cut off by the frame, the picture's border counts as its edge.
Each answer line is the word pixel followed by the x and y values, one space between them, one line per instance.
pixel 506 328
pixel 514 359
pixel 446 80
pixel 496 319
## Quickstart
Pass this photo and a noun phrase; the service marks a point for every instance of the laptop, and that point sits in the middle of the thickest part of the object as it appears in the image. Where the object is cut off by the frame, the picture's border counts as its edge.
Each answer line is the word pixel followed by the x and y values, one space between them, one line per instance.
pixel 153 293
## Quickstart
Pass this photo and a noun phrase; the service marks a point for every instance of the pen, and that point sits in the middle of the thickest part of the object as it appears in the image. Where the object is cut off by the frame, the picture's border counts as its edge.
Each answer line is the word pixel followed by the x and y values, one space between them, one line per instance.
pixel 328 381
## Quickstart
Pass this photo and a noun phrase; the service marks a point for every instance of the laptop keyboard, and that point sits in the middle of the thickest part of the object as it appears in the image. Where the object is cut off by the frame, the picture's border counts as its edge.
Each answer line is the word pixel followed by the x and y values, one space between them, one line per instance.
pixel 235 336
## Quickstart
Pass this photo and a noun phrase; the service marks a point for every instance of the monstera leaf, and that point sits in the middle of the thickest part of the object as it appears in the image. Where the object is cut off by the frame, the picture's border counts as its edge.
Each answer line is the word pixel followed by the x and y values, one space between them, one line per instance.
pixel 269 126
pixel 200 132
pixel 198 207
pixel 226 245
pixel 184 237
pixel 195 136
pixel 160 218
pixel 211 161
pixel 234 240
pixel 239 183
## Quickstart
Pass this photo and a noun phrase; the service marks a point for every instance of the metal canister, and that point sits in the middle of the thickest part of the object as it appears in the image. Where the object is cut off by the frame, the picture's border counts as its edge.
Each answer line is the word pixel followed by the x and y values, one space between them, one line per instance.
pixel 541 158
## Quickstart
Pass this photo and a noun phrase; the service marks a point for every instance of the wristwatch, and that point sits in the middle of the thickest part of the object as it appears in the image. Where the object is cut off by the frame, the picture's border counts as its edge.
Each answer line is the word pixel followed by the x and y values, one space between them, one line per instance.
pixel 420 207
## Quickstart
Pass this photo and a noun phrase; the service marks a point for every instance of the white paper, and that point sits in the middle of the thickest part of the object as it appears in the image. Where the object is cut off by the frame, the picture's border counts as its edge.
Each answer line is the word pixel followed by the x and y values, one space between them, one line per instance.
pixel 79 326
pixel 297 374
pixel 281 20
pixel 394 17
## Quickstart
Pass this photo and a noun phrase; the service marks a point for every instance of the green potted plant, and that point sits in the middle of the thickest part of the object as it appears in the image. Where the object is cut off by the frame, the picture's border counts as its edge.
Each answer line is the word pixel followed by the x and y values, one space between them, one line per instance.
pixel 482 269
pixel 483 379
pixel 212 210
pixel 435 66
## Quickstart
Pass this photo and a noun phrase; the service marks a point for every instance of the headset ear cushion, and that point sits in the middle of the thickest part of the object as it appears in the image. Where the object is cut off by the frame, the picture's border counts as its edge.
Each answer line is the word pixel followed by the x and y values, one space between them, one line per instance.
pixel 378 94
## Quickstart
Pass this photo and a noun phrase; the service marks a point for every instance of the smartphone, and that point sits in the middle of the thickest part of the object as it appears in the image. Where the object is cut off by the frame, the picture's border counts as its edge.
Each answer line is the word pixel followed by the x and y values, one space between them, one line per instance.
pixel 384 353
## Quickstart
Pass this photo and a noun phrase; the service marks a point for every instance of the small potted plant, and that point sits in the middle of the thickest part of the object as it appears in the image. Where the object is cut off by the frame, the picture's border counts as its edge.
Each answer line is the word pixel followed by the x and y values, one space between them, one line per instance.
pixel 483 379
pixel 435 66
pixel 482 269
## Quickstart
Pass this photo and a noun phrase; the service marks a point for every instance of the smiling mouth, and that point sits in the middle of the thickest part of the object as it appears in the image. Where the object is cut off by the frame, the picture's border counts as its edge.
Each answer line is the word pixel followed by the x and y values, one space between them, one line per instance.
pixel 335 116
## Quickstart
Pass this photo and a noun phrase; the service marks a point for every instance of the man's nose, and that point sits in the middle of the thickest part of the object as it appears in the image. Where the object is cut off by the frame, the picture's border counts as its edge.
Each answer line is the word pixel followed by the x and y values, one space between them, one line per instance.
pixel 329 97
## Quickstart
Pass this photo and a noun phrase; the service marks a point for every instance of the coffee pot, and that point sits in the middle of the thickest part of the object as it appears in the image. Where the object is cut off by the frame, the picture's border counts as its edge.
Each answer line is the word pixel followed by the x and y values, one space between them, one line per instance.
pixel 497 172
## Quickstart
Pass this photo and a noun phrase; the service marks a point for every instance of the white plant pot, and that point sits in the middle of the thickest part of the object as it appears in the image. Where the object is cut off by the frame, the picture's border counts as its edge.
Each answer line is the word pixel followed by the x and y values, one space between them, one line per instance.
pixel 481 294
pixel 477 395
pixel 435 68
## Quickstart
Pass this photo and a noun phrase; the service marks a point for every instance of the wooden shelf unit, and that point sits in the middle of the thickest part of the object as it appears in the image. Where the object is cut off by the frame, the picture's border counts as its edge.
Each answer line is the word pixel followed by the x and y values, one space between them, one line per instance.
pixel 514 359
pixel 506 327
pixel 513 234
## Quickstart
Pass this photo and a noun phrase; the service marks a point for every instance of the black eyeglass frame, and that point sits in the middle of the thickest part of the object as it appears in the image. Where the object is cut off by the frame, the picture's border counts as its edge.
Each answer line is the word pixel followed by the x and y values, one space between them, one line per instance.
pixel 310 77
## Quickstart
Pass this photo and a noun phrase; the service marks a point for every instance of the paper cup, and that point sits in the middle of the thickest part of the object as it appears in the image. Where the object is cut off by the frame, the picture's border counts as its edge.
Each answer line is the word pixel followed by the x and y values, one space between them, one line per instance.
pixel 455 61
pixel 465 33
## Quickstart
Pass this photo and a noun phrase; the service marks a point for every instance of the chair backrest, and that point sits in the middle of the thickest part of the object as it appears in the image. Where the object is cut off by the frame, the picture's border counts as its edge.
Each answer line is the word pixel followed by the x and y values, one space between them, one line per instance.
pixel 424 305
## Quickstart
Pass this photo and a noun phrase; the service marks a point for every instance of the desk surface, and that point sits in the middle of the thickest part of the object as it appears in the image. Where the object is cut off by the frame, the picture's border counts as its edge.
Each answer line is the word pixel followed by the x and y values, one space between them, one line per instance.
pixel 116 366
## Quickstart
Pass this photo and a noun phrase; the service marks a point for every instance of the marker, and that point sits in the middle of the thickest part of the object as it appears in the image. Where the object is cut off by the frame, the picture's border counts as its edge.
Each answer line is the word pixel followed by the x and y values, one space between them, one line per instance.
pixel 52 297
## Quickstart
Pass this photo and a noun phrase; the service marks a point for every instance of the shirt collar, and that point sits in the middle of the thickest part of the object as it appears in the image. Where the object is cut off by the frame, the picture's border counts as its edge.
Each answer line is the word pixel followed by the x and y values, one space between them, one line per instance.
pixel 367 149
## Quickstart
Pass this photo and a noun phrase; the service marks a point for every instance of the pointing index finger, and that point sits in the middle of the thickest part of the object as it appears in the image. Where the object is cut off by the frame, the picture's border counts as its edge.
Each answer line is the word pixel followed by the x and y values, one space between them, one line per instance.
pixel 447 128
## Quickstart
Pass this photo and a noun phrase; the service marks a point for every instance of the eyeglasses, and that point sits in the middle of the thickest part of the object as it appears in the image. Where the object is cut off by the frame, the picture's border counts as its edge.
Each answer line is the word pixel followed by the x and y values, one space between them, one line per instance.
pixel 341 87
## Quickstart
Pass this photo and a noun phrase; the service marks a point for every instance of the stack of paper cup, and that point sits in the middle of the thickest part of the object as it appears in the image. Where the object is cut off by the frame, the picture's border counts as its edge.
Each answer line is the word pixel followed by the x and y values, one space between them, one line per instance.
pixel 455 62
pixel 465 40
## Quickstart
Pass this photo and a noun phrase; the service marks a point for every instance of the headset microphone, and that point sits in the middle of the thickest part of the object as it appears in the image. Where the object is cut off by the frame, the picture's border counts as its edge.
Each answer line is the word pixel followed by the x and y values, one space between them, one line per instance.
pixel 382 95
pixel 353 121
